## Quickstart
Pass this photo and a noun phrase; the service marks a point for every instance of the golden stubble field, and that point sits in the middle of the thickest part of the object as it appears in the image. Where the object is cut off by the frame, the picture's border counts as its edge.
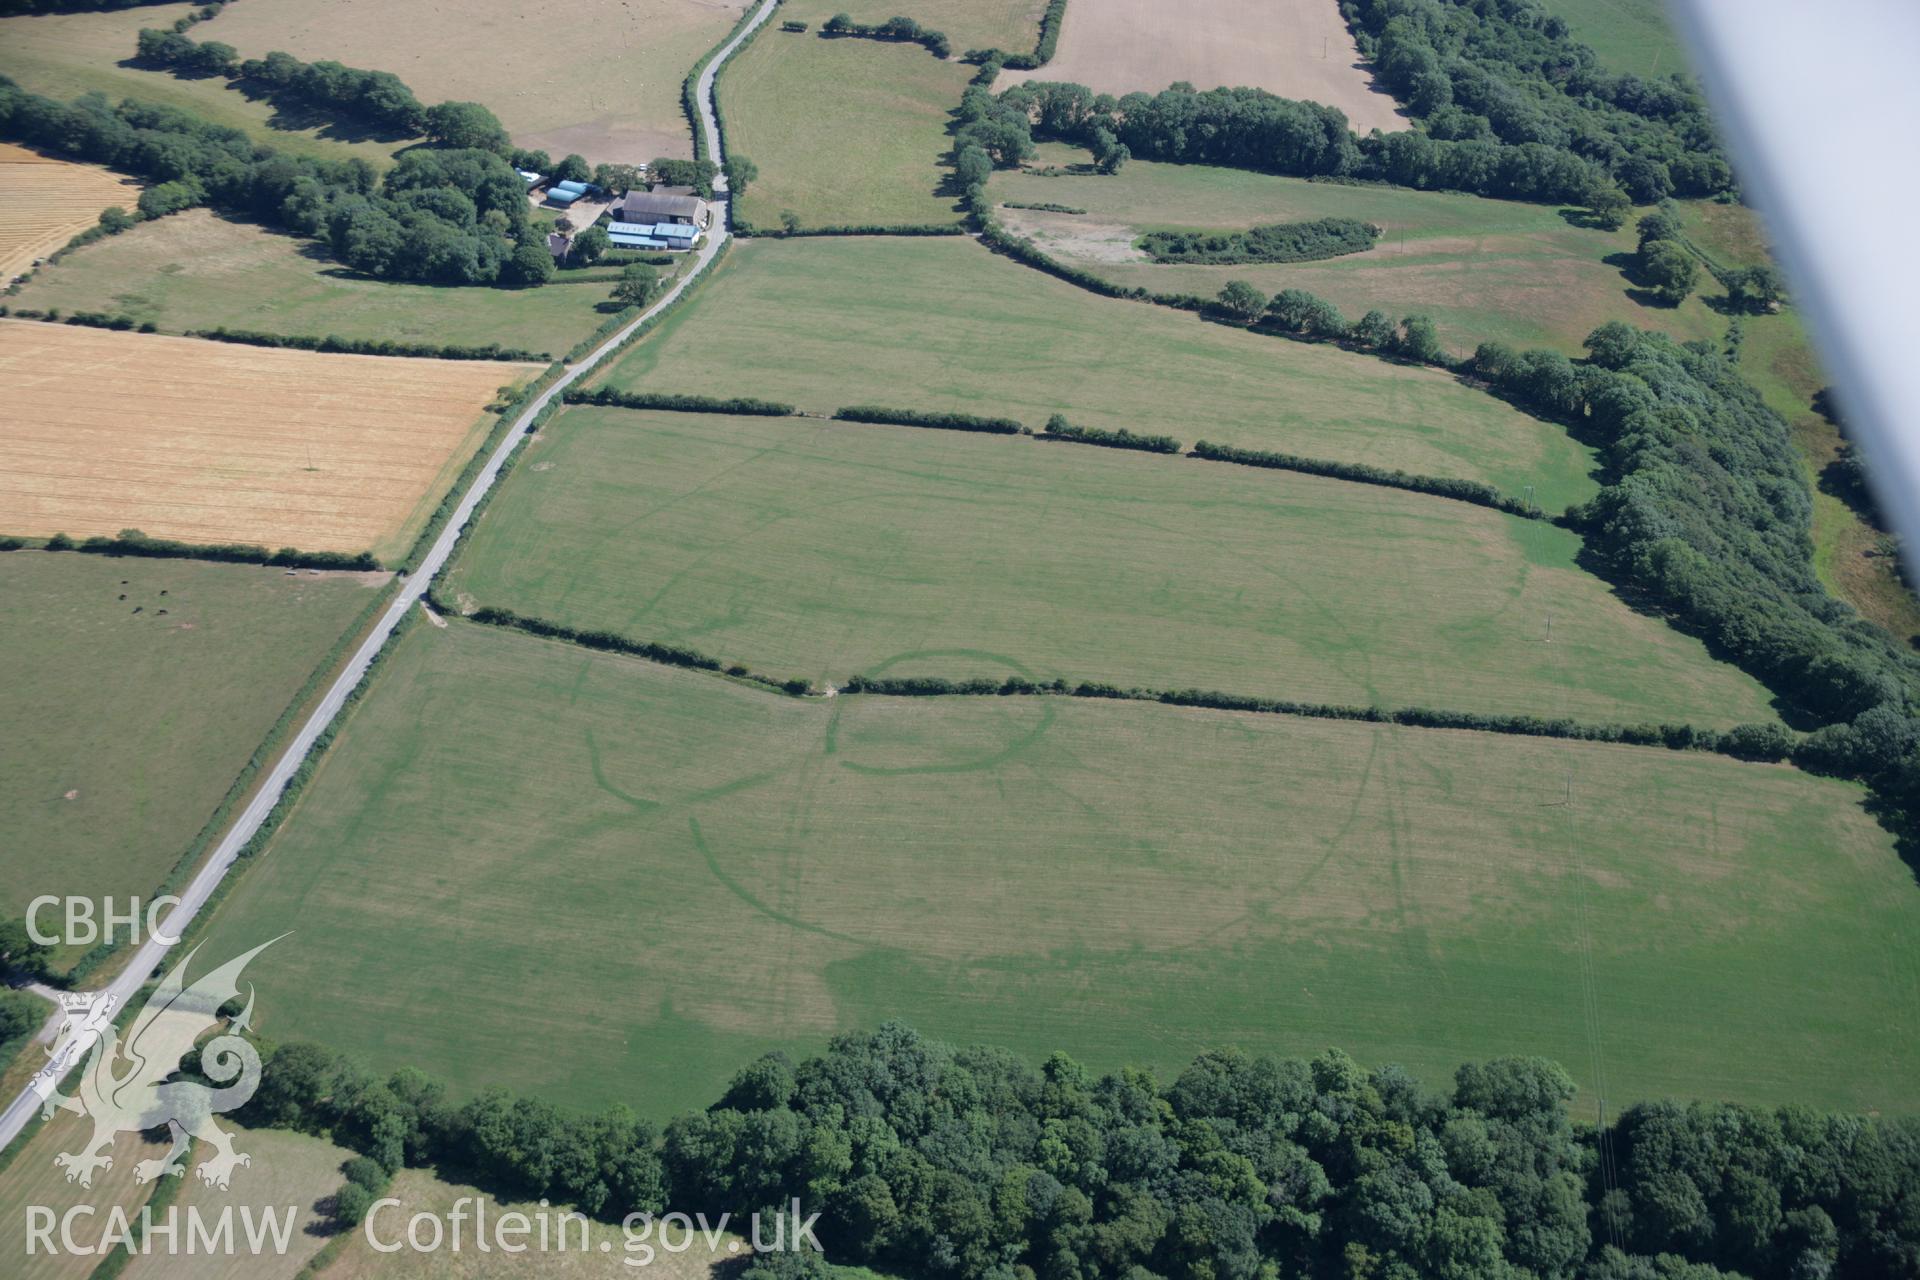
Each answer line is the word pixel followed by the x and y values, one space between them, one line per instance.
pixel 46 202
pixel 211 442
pixel 1295 48
pixel 600 77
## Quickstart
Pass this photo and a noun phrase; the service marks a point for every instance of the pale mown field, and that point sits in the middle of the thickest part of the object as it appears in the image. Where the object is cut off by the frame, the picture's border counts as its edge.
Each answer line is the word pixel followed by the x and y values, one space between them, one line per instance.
pixel 517 845
pixel 212 442
pixel 1480 269
pixel 825 550
pixel 600 77
pixel 45 202
pixel 1295 48
pixel 33 1179
pixel 290 1171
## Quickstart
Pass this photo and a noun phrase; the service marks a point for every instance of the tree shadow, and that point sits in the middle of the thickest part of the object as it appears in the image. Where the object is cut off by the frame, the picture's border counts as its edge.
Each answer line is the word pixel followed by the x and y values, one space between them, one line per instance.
pixel 299 117
pixel 1646 605
pixel 1585 219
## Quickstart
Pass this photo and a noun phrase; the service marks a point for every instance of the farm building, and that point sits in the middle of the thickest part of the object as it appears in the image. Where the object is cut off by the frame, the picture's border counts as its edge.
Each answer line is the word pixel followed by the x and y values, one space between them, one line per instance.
pixel 559 244
pixel 555 196
pixel 654 235
pixel 654 208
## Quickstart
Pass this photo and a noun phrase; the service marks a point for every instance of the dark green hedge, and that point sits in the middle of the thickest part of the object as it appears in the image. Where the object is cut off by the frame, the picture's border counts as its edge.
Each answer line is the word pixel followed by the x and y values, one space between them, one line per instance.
pixel 1275 242
pixel 685 404
pixel 1058 428
pixel 1484 495
pixel 132 542
pixel 939 421
pixel 334 343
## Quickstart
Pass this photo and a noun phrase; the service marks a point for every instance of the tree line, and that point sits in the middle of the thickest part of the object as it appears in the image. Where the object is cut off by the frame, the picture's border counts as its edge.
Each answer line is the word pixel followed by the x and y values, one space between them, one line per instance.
pixel 1706 513
pixel 1769 742
pixel 334 343
pixel 1058 428
pixel 939 421
pixel 744 405
pixel 903 30
pixel 11 8
pixel 1275 242
pixel 453 216
pixel 132 542
pixel 1484 495
pixel 379 99
pixel 1511 74
pixel 931 1160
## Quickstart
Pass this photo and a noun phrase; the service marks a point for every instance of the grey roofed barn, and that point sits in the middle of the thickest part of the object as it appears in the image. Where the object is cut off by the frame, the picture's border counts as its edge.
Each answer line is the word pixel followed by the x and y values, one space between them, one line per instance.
pixel 649 206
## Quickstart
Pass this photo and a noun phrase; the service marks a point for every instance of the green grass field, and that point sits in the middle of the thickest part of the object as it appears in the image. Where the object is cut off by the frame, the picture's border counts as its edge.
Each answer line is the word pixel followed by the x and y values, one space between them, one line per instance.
pixel 529 865
pixel 198 271
pixel 1483 269
pixel 1629 35
pixel 844 131
pixel 65 55
pixel 944 324
pixel 126 729
pixel 823 550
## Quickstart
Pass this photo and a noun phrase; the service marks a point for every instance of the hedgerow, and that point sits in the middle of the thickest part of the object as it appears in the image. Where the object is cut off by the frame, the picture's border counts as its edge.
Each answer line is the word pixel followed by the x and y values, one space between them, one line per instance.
pixel 1058 428
pixel 940 421
pixel 741 405
pixel 132 542
pixel 900 30
pixel 1473 491
pixel 333 343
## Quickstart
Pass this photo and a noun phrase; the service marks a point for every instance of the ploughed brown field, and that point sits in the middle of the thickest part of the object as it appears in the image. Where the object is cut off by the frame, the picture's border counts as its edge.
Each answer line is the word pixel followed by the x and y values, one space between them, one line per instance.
pixel 1295 48
pixel 46 202
pixel 212 442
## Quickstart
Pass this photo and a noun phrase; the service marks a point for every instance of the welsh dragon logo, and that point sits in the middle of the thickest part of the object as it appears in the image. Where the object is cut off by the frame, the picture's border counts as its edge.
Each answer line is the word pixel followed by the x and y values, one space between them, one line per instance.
pixel 125 1086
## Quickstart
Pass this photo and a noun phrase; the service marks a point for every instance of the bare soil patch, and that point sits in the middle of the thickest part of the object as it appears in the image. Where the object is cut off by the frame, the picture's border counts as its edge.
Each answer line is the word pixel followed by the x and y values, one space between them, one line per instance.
pixel 1295 48
pixel 211 442
pixel 1070 236
pixel 46 202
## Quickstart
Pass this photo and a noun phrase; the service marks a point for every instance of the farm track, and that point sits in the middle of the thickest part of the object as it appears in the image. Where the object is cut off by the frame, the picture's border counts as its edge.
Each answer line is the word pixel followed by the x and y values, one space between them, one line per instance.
pixel 201 888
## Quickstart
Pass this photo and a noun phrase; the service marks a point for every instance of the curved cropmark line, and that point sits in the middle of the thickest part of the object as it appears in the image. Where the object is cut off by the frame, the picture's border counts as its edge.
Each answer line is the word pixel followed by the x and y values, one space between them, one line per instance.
pixel 741 892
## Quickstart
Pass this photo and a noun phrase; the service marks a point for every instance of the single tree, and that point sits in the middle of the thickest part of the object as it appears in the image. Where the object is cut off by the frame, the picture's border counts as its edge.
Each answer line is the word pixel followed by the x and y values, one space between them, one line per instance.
pixel 590 246
pixel 1669 270
pixel 531 264
pixel 637 283
pixel 573 168
pixel 1419 340
pixel 1610 207
pixel 465 125
pixel 1374 330
pixel 1242 301
pixel 740 172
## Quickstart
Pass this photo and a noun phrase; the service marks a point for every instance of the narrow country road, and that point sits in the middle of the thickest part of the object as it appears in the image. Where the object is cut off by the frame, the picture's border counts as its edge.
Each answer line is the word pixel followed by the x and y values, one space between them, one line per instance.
pixel 192 898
